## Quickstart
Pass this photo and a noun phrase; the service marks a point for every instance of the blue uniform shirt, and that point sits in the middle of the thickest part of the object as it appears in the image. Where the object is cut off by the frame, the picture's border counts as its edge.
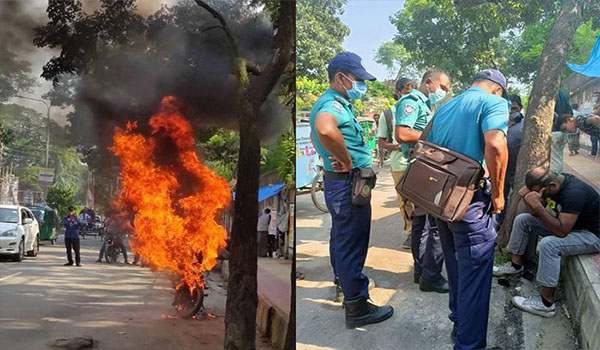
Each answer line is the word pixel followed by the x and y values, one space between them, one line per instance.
pixel 412 110
pixel 333 102
pixel 460 124
pixel 71 225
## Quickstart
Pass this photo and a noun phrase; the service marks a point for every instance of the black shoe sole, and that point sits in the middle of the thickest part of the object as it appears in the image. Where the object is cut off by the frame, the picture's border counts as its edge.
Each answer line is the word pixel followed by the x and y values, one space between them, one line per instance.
pixel 360 323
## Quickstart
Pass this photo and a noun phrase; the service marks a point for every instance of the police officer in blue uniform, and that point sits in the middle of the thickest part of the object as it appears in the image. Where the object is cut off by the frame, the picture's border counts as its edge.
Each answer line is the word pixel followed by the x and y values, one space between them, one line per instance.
pixel 338 138
pixel 474 123
pixel 413 113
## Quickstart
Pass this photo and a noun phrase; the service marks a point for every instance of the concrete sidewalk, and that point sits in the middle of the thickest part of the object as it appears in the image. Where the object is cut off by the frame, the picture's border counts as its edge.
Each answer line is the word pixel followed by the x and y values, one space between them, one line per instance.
pixel 581 274
pixel 421 319
pixel 274 298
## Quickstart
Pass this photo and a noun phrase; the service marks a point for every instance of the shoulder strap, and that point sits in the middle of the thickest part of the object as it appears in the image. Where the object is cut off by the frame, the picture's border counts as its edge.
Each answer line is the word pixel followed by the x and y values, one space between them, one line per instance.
pixel 425 132
pixel 388 121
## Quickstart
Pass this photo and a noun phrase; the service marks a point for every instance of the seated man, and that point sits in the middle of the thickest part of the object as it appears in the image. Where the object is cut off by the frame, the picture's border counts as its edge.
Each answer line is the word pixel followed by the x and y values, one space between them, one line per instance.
pixel 565 212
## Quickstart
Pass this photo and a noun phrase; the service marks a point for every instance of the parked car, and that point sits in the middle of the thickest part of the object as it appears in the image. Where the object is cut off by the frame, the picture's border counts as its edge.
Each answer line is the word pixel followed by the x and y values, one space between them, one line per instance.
pixel 19 232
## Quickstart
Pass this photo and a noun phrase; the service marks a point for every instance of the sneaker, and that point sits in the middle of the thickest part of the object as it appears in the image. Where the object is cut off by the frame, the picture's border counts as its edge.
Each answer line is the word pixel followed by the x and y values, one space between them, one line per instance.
pixel 99 260
pixel 506 270
pixel 78 265
pixel 68 264
pixel 534 305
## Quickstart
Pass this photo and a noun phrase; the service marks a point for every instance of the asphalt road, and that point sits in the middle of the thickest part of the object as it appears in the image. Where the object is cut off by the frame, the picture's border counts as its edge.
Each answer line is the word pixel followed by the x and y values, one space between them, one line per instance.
pixel 120 306
pixel 420 320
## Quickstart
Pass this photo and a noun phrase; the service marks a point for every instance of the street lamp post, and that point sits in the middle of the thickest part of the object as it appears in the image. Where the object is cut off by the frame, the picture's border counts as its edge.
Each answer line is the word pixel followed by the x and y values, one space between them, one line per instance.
pixel 47 124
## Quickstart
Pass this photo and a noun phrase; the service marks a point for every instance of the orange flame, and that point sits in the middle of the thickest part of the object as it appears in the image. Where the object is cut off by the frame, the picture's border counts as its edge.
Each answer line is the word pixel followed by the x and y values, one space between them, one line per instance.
pixel 177 233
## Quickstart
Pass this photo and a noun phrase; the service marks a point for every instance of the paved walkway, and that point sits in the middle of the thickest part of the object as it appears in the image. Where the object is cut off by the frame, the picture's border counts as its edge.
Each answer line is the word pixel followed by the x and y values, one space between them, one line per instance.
pixel 584 166
pixel 587 168
pixel 421 319
pixel 274 282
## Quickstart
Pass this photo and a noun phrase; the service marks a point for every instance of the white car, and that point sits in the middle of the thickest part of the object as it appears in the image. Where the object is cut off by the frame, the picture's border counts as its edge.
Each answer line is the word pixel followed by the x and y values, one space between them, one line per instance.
pixel 19 232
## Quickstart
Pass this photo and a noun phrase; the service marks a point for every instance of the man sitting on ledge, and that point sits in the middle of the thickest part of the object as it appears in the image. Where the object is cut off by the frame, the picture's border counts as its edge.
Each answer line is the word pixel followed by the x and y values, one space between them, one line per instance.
pixel 565 212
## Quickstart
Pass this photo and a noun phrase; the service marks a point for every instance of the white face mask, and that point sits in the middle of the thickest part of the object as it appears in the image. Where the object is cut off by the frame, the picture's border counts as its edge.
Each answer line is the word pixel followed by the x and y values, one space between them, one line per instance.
pixel 437 96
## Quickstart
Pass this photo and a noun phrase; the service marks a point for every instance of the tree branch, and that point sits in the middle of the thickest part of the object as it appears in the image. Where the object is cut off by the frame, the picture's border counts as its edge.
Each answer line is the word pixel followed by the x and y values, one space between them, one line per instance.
pixel 224 25
pixel 209 28
pixel 284 45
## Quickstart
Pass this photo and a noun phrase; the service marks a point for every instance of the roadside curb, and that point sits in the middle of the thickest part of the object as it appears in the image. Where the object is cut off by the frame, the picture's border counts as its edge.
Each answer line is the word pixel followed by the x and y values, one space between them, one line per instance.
pixel 271 320
pixel 582 287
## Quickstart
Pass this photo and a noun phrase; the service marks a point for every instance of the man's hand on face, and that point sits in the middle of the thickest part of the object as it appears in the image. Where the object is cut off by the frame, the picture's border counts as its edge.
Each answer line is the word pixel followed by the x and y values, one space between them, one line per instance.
pixel 534 200
pixel 339 166
pixel 523 191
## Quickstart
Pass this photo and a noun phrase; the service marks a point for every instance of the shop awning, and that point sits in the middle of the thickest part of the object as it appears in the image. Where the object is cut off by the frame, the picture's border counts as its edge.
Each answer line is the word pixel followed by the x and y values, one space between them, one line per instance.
pixel 266 192
pixel 592 68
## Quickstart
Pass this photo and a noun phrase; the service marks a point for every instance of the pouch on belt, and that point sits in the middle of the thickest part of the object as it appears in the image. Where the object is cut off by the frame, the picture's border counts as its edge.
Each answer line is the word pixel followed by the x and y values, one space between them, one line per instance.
pixel 363 181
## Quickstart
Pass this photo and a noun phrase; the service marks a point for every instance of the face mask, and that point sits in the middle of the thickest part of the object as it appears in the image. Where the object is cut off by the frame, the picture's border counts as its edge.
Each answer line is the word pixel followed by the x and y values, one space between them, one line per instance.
pixel 437 96
pixel 358 90
pixel 513 116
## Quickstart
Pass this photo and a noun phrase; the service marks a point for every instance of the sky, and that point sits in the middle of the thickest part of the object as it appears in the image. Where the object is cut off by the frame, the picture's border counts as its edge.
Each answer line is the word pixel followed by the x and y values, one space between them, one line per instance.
pixel 370 27
pixel 36 9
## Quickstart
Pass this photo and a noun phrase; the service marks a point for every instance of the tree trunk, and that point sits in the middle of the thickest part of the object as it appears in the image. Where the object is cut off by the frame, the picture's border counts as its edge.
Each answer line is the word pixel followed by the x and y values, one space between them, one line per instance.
pixel 535 146
pixel 290 337
pixel 242 298
pixel 240 314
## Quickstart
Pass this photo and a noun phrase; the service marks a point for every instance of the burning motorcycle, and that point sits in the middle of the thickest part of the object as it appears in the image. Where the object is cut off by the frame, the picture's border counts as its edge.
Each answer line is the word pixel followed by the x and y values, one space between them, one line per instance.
pixel 188 303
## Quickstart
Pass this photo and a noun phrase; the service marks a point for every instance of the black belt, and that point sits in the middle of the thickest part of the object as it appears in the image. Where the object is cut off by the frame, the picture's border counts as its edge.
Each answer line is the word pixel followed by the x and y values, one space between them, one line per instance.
pixel 331 175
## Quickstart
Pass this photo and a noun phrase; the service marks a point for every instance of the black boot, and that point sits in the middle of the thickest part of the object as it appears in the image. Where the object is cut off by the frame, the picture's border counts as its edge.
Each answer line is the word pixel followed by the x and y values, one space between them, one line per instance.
pixel 416 277
pixel 441 286
pixel 361 312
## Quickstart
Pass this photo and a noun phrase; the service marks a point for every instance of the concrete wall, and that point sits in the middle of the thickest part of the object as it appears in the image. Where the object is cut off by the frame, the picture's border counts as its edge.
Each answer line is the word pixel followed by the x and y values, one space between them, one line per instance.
pixel 582 286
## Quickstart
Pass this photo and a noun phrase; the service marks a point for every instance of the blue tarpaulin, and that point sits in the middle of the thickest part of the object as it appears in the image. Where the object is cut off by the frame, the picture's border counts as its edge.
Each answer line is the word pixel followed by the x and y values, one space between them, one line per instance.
pixel 267 191
pixel 592 68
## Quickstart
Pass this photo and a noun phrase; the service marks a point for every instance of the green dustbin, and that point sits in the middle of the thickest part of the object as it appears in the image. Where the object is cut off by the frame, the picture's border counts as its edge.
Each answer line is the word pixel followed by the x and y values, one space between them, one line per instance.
pixel 48 220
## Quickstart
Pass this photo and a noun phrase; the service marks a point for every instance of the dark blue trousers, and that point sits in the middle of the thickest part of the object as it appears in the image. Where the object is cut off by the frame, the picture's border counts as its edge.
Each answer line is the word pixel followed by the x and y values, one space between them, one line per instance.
pixel 426 248
pixel 349 239
pixel 469 253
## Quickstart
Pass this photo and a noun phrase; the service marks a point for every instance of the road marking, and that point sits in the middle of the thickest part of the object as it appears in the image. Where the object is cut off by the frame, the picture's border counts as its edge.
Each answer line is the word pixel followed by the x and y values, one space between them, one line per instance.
pixel 9 276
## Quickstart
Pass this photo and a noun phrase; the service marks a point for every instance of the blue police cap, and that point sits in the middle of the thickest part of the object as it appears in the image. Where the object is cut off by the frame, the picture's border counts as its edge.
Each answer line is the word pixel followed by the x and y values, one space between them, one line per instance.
pixel 493 75
pixel 351 62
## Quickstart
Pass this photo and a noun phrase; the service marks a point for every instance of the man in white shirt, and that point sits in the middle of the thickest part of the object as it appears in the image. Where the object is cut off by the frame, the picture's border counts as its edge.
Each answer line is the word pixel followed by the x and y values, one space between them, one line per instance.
pixel 263 232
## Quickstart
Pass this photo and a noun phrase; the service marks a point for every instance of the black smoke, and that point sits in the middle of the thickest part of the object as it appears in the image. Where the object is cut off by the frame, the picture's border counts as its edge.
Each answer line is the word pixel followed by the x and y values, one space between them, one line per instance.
pixel 192 62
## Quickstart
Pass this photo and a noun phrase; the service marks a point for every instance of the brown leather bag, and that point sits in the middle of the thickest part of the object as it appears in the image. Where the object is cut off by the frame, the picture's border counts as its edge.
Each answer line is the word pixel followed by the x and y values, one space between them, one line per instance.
pixel 439 180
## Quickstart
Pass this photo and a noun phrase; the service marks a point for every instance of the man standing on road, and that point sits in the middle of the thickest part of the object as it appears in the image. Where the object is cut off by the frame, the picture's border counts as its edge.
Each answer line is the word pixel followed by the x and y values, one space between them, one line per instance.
pixel 474 123
pixel 514 135
pixel 413 112
pixel 339 140
pixel 72 225
pixel 398 163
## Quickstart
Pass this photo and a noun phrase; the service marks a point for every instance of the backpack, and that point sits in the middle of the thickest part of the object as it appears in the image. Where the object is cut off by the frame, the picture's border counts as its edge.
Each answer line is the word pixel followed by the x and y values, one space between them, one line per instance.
pixel 439 180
